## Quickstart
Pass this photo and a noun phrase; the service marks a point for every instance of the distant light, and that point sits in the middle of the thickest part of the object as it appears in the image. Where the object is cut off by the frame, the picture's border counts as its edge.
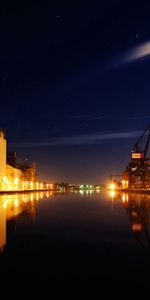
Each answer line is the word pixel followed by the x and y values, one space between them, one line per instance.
pixel 81 186
pixel 112 186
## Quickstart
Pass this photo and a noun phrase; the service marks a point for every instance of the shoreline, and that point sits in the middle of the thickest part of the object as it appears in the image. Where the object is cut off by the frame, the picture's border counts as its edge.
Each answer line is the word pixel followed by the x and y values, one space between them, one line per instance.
pixel 28 191
pixel 138 191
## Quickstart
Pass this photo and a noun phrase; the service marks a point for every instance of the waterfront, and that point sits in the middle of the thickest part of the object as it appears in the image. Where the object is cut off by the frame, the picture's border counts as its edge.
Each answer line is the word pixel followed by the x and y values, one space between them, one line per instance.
pixel 83 235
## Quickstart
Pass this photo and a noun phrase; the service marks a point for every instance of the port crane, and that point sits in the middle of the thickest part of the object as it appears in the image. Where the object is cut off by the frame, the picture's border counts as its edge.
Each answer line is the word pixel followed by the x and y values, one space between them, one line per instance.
pixel 139 167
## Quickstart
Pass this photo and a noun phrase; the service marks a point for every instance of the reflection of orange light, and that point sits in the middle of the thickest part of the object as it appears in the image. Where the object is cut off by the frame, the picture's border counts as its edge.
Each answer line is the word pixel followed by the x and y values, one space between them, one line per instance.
pixel 31 197
pixel 5 204
pixel 125 197
pixel 112 194
pixel 136 227
pixel 16 202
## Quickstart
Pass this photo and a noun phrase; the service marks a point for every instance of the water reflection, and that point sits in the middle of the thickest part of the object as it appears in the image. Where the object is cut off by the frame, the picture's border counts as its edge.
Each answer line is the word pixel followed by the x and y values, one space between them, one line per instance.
pixel 87 192
pixel 13 205
pixel 137 207
pixel 138 211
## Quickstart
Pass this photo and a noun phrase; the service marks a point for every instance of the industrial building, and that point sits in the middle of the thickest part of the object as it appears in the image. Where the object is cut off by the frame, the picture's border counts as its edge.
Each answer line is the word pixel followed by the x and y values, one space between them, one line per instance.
pixel 136 175
pixel 137 171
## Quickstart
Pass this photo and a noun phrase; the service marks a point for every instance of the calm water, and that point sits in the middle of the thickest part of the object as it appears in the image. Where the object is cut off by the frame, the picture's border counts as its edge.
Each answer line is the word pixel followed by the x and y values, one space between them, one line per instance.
pixel 83 235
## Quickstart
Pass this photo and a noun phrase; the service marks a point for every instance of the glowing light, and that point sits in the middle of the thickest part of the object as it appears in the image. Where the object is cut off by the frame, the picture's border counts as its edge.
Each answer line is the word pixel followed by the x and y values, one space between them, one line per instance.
pixel 41 185
pixel 51 185
pixel 31 184
pixel 81 186
pixel 125 184
pixel 5 180
pixel 16 181
pixel 112 186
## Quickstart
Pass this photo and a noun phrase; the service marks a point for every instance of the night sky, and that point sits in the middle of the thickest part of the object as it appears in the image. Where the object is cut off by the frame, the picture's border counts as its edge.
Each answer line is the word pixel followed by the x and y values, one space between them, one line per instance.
pixel 74 84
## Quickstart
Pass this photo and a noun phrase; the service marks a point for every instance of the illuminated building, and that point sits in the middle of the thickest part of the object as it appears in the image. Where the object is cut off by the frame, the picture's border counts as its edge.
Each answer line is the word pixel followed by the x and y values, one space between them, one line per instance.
pixel 16 174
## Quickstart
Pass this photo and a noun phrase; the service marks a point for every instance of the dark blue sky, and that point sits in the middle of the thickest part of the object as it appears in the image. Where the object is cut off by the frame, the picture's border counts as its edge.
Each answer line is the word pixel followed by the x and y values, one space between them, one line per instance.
pixel 74 91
